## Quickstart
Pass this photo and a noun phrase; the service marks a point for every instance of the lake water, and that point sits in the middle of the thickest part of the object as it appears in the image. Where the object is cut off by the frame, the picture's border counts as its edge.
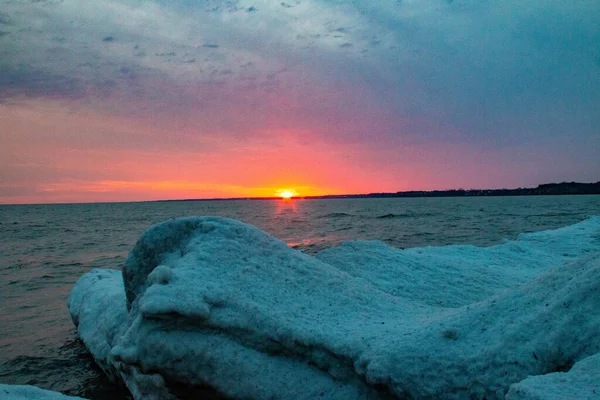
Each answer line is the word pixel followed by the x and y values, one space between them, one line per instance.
pixel 44 249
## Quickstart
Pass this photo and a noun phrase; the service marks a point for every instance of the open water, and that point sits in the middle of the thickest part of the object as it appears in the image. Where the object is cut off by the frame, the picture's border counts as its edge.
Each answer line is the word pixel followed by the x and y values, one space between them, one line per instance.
pixel 44 249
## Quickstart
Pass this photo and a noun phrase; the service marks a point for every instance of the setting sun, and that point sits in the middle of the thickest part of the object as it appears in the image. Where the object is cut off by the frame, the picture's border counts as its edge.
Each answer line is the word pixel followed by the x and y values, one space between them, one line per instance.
pixel 286 194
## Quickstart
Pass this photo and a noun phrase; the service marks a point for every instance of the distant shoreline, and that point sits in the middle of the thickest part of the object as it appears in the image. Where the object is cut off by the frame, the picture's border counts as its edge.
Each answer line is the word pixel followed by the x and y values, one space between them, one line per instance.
pixel 547 189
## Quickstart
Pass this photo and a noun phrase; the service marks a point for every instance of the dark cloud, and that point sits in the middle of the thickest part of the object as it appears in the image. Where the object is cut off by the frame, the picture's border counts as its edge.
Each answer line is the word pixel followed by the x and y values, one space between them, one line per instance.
pixel 5 19
pixel 33 83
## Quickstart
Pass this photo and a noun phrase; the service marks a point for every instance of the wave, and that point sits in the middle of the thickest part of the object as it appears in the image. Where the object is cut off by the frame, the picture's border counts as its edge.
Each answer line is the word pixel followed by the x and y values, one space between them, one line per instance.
pixel 553 214
pixel 336 215
pixel 390 216
pixel 404 215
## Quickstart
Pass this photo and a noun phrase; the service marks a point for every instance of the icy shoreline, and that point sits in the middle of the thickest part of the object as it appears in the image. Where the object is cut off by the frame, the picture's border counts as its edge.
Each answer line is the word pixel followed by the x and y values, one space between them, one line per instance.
pixel 26 392
pixel 215 301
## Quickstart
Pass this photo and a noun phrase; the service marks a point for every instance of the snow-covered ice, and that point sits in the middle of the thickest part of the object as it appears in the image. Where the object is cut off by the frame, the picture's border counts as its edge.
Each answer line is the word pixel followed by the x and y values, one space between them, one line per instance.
pixel 22 392
pixel 454 276
pixel 214 301
pixel 582 382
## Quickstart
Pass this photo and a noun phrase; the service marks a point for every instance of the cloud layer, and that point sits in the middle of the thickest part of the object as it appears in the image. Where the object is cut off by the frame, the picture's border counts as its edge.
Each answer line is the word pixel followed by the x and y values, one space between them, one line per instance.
pixel 403 94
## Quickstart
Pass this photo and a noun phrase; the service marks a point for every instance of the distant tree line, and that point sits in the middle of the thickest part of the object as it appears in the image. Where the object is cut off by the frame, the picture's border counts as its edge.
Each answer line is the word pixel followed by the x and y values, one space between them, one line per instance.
pixel 541 190
pixel 546 189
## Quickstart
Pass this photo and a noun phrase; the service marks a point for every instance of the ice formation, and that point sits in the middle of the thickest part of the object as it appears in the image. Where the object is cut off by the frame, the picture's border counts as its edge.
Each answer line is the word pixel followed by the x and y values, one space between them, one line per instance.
pixel 19 392
pixel 582 382
pixel 215 301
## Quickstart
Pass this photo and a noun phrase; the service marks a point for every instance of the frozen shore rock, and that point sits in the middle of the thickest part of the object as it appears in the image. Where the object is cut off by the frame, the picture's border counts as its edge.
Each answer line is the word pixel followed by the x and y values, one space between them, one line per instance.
pixel 25 392
pixel 582 382
pixel 215 301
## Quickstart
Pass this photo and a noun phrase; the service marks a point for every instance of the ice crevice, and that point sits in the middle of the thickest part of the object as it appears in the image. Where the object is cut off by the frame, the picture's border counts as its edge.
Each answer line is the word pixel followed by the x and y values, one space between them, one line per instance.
pixel 213 301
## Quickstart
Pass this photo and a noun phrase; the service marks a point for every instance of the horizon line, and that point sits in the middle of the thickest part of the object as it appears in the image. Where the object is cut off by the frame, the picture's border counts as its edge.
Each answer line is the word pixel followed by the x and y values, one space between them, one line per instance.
pixel 399 194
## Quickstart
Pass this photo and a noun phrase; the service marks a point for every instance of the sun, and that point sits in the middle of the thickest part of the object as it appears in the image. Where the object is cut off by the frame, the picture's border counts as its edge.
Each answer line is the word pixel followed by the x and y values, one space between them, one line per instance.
pixel 286 194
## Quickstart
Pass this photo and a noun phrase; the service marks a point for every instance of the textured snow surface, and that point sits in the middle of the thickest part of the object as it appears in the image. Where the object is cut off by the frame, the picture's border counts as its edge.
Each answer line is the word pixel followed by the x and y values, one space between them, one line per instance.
pixel 18 392
pixel 215 301
pixel 581 382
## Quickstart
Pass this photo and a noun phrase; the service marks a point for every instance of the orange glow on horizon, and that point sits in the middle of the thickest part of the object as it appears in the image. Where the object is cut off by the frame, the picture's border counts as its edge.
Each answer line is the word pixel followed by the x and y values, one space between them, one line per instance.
pixel 178 189
pixel 81 191
pixel 286 194
pixel 104 165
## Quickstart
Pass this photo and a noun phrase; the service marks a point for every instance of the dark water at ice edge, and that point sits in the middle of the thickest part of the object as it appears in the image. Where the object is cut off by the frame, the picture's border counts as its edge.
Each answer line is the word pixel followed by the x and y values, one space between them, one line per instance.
pixel 44 249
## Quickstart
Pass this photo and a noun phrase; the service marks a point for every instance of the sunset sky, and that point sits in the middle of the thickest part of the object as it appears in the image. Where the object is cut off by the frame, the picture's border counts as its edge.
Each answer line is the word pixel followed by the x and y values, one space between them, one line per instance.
pixel 118 100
